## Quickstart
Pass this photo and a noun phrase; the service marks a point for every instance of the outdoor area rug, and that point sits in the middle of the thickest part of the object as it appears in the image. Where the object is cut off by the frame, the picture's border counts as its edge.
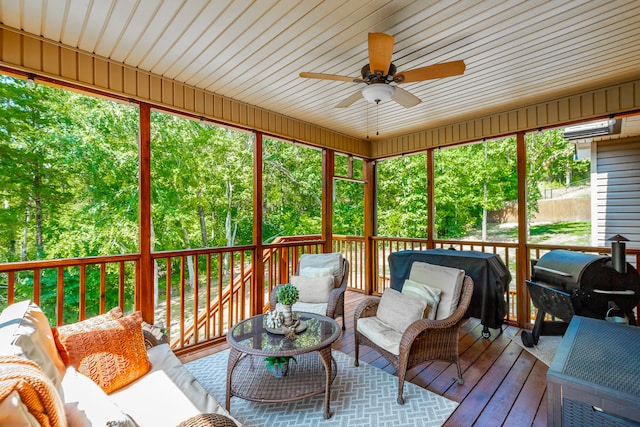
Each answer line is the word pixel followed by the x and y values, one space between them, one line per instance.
pixel 546 348
pixel 362 396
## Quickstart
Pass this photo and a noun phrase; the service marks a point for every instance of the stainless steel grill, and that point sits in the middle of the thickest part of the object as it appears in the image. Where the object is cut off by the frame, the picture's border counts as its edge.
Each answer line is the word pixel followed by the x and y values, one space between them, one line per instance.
pixel 564 283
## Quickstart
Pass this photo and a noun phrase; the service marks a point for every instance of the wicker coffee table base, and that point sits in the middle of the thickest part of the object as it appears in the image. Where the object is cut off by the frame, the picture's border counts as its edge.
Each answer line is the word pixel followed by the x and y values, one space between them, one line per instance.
pixel 249 379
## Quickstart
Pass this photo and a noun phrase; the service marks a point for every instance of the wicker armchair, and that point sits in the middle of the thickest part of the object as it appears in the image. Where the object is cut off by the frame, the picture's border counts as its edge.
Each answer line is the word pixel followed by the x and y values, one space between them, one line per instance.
pixel 424 340
pixel 335 304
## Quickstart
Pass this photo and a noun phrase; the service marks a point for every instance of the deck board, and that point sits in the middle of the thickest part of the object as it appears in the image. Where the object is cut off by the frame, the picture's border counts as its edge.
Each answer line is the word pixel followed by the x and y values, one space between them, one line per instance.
pixel 504 384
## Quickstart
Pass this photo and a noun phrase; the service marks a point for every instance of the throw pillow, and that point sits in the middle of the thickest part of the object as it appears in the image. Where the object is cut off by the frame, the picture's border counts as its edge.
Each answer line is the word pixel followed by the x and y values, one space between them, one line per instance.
pixel 83 326
pixel 112 354
pixel 399 311
pixel 423 291
pixel 313 289
pixel 446 278
pixel 25 332
pixel 85 403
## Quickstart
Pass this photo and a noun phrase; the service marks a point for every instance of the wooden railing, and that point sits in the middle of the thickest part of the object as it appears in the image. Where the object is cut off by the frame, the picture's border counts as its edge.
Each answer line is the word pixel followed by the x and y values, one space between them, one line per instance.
pixel 201 293
pixel 69 290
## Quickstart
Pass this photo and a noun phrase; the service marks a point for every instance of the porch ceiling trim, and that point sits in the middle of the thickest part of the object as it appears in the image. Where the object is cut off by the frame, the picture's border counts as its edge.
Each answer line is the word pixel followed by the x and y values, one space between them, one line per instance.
pixel 604 102
pixel 25 52
pixel 28 53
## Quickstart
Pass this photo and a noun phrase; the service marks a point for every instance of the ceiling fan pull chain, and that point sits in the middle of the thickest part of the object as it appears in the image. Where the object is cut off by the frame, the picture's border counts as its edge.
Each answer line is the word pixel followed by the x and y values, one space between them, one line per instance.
pixel 377 117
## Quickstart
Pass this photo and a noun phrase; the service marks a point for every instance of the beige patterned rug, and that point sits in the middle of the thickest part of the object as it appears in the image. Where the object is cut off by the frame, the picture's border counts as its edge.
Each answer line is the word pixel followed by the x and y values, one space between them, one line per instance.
pixel 546 348
pixel 362 396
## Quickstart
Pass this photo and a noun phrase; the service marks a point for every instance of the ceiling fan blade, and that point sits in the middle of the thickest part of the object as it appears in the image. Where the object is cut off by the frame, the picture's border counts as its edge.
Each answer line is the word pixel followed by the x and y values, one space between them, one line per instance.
pixel 405 98
pixel 327 77
pixel 347 102
pixel 380 52
pixel 436 71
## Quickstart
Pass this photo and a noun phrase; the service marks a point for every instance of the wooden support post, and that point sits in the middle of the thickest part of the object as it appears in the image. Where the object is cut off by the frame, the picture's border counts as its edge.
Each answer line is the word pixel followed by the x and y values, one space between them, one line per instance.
pixel 370 260
pixel 145 293
pixel 522 255
pixel 328 170
pixel 431 204
pixel 257 291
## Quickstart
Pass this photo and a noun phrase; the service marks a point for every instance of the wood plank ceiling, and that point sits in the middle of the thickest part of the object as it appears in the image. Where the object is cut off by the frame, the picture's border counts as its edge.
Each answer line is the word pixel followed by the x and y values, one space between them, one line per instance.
pixel 516 52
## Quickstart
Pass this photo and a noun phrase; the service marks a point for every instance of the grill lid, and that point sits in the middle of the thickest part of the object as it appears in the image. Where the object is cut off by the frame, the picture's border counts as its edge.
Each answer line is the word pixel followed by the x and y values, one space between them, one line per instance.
pixel 562 267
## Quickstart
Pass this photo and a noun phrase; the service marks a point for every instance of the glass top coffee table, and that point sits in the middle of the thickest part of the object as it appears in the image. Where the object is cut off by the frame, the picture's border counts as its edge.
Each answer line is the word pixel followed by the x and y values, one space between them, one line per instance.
pixel 250 379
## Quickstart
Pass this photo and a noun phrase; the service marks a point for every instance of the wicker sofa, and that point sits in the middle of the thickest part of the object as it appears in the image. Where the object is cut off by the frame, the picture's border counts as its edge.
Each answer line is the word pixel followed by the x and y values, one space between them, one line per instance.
pixel 73 383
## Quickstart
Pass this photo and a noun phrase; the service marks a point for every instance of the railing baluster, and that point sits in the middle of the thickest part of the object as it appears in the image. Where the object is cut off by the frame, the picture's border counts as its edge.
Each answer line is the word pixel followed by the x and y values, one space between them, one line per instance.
pixel 36 286
pixel 182 298
pixel 121 282
pixel 83 292
pixel 60 297
pixel 11 289
pixel 103 287
pixel 196 300
pixel 168 298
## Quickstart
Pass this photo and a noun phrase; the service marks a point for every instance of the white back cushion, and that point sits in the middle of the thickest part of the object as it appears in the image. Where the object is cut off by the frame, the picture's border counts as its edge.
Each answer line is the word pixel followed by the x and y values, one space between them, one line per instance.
pixel 399 311
pixel 313 289
pixel 331 264
pixel 423 291
pixel 448 279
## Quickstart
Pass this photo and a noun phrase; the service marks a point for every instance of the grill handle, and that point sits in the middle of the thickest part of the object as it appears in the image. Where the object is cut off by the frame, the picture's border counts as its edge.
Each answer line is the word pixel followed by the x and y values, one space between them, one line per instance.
pixel 625 292
pixel 552 271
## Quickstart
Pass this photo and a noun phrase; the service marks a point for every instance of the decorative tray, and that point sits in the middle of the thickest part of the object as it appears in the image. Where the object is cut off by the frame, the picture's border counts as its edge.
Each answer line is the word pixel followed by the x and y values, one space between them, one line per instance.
pixel 283 329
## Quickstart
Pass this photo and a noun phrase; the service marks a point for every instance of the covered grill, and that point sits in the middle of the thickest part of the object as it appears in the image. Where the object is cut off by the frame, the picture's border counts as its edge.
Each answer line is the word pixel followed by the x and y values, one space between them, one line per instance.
pixel 564 283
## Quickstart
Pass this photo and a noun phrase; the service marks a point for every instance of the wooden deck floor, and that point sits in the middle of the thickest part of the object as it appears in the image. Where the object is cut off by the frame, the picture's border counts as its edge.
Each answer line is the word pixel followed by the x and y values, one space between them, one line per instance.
pixel 504 384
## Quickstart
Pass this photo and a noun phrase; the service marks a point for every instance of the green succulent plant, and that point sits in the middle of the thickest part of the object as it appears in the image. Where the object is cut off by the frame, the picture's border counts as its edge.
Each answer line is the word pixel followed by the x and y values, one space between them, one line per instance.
pixel 287 294
pixel 278 361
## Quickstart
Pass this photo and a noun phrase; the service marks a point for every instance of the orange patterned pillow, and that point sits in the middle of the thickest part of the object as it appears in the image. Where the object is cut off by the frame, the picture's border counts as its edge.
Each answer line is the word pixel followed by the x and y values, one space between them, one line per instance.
pixel 112 353
pixel 83 326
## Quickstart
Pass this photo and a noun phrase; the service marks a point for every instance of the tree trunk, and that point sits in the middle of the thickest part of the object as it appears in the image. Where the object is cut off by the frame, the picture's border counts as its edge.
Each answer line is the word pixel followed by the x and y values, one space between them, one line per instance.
pixel 38 209
pixel 156 290
pixel 203 227
pixel 25 234
pixel 187 243
pixel 229 233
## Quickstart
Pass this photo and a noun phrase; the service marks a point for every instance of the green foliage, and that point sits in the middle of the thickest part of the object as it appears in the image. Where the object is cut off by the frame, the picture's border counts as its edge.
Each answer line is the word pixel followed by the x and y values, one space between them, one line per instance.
pixel 402 196
pixel 287 294
pixel 292 190
pixel 279 361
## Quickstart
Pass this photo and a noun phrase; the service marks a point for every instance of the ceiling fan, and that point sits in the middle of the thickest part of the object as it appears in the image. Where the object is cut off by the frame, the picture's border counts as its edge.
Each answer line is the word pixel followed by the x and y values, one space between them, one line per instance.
pixel 380 73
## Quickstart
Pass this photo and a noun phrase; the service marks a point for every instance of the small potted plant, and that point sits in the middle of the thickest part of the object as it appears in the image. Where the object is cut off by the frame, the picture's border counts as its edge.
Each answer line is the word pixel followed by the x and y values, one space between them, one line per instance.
pixel 287 296
pixel 279 365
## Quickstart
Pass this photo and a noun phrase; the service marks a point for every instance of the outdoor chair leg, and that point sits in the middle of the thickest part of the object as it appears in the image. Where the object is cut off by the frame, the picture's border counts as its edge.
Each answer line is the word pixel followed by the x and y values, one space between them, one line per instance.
pixel 460 380
pixel 400 399
pixel 357 345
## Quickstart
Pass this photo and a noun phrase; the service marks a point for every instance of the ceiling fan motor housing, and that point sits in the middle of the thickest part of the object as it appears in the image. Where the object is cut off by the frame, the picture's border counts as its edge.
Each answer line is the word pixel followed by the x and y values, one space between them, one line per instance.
pixel 369 77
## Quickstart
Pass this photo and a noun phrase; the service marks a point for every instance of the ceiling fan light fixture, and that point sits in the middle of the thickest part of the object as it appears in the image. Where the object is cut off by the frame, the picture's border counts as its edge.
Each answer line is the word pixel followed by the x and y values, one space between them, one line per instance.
pixel 378 92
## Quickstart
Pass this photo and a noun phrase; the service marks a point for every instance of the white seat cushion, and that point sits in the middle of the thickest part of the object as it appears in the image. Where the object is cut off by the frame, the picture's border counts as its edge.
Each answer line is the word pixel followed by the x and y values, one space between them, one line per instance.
pixel 383 335
pixel 317 308
pixel 86 404
pixel 168 385
pixel 448 279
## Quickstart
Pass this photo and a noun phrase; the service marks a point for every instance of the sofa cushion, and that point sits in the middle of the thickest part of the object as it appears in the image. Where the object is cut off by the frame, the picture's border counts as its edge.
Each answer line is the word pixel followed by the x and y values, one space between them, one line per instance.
pixel 86 404
pixel 380 333
pixel 423 291
pixel 82 326
pixel 399 311
pixel 112 354
pixel 31 394
pixel 448 279
pixel 313 289
pixel 168 385
pixel 25 332
pixel 316 265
